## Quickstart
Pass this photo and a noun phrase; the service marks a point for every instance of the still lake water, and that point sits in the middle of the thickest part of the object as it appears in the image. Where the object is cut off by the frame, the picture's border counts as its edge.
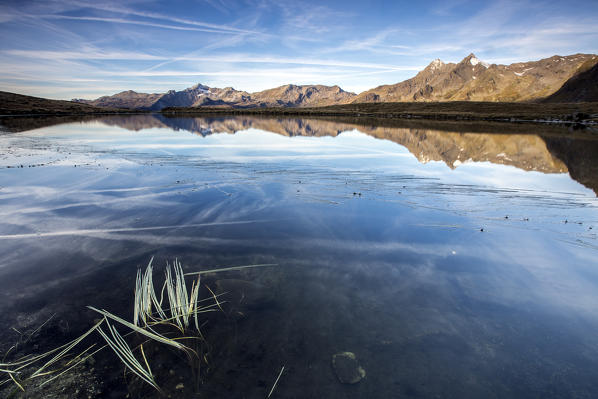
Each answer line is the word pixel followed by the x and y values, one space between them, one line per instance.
pixel 452 262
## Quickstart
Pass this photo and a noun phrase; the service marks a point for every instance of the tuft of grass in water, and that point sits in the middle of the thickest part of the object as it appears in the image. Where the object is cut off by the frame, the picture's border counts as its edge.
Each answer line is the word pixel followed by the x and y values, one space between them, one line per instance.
pixel 149 313
pixel 181 305
pixel 144 331
pixel 125 354
pixel 145 297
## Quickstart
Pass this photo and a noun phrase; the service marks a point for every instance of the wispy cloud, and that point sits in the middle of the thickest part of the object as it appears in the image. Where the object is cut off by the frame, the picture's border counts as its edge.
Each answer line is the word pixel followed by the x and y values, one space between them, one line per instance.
pixel 447 7
pixel 62 9
pixel 306 17
pixel 368 44
pixel 106 46
pixel 505 27
pixel 119 9
pixel 275 72
pixel 82 55
pixel 248 58
pixel 136 22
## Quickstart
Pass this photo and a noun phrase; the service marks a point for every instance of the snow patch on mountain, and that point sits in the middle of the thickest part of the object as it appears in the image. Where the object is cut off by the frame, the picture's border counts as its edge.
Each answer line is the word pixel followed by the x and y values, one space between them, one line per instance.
pixel 475 61
pixel 522 72
pixel 437 63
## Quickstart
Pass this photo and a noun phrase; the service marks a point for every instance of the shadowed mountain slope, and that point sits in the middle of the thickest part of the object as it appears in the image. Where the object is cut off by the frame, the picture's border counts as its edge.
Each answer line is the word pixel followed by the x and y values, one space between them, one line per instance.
pixel 583 87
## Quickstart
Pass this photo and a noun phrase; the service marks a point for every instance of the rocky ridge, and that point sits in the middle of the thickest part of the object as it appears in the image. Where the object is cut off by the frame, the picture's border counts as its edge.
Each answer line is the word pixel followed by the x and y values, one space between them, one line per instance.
pixel 201 95
pixel 573 77
pixel 474 80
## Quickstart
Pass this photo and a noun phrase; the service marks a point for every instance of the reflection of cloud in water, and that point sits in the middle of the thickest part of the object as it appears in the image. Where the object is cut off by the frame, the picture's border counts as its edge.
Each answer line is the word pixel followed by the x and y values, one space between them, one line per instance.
pixel 401 272
pixel 92 232
pixel 497 270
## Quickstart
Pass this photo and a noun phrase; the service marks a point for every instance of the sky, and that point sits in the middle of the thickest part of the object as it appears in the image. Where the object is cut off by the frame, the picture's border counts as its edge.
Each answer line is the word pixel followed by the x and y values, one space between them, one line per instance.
pixel 87 49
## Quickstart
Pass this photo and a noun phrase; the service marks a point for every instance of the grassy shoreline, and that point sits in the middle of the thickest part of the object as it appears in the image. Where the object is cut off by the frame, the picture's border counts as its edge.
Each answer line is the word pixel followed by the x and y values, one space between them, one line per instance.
pixel 12 104
pixel 577 113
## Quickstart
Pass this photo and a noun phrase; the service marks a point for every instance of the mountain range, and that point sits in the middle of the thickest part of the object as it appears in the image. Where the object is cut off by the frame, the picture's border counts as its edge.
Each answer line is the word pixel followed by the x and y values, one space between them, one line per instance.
pixel 201 95
pixel 572 78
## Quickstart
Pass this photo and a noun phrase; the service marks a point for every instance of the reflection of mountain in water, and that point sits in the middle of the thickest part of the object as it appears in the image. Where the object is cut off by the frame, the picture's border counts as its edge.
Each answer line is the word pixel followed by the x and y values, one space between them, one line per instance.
pixel 547 153
pixel 551 150
pixel 524 151
pixel 580 156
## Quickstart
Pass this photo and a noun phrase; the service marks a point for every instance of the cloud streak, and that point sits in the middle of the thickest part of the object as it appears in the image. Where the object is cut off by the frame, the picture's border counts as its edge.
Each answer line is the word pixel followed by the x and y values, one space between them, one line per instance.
pixel 91 232
pixel 257 44
pixel 136 22
pixel 159 16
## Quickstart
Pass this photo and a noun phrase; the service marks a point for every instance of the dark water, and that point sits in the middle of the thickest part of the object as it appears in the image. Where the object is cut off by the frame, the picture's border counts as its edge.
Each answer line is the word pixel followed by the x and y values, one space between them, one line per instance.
pixel 453 263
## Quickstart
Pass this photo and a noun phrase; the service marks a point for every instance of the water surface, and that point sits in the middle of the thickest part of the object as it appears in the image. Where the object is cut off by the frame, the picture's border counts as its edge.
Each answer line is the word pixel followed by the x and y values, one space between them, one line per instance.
pixel 456 262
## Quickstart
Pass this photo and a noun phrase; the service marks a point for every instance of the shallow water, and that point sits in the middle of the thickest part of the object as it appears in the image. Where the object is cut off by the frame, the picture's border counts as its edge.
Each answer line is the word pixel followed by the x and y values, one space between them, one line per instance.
pixel 453 263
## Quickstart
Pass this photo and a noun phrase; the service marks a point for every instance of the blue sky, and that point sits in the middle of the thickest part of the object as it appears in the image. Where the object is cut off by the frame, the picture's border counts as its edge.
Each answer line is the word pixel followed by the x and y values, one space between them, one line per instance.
pixel 79 48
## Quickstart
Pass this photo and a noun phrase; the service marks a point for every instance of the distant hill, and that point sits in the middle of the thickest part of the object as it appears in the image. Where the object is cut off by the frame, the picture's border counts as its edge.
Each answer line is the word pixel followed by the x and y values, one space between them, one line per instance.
pixel 474 80
pixel 18 104
pixel 126 99
pixel 201 95
pixel 582 87
pixel 302 96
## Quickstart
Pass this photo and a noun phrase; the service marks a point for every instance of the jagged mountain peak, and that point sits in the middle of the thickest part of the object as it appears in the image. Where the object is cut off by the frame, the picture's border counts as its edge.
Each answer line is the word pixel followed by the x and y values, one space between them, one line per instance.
pixel 198 86
pixel 473 61
pixel 437 63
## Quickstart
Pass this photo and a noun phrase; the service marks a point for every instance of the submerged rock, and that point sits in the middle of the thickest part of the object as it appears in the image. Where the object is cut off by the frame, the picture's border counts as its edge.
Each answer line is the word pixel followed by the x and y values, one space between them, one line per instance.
pixel 347 368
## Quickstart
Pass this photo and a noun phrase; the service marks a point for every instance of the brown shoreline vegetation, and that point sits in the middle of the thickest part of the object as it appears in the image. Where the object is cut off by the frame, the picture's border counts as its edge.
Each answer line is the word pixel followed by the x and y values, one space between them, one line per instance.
pixel 581 113
pixel 578 114
pixel 22 105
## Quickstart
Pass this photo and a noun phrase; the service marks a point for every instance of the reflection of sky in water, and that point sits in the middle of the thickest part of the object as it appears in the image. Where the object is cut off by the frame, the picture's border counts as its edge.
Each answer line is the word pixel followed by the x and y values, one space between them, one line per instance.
pixel 401 274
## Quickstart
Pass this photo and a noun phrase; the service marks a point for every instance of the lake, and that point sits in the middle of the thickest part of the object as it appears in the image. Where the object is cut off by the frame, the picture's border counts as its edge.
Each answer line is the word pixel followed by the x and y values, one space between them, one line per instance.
pixel 452 260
